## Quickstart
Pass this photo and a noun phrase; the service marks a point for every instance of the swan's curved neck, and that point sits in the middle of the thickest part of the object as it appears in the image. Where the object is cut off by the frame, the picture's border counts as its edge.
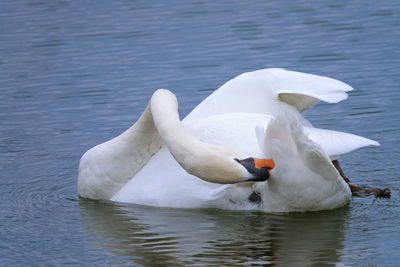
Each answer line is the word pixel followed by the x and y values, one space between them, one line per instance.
pixel 107 167
pixel 208 162
pixel 164 108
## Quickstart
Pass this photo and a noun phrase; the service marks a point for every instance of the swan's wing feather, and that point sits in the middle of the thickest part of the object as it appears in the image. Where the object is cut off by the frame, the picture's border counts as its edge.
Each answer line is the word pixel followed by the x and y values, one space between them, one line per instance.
pixel 336 143
pixel 311 153
pixel 286 136
pixel 260 134
pixel 260 91
pixel 303 90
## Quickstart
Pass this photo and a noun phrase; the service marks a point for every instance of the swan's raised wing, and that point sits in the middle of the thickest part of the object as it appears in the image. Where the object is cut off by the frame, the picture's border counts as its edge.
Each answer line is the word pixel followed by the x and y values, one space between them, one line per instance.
pixel 303 90
pixel 267 91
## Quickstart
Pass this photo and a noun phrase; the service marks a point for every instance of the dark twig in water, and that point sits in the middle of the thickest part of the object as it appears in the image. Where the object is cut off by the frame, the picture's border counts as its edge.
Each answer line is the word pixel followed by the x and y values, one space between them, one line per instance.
pixel 359 191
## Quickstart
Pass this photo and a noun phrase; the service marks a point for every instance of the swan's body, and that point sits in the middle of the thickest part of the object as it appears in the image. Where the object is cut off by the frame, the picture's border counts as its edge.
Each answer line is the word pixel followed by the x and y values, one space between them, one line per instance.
pixel 256 115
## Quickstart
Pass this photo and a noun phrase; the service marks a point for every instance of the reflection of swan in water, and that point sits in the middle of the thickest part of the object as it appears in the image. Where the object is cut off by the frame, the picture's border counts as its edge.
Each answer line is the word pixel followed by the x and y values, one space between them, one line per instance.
pixel 255 115
pixel 171 237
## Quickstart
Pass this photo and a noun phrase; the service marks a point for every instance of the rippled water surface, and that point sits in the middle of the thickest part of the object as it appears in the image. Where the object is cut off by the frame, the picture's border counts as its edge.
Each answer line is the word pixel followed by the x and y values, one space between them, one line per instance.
pixel 76 73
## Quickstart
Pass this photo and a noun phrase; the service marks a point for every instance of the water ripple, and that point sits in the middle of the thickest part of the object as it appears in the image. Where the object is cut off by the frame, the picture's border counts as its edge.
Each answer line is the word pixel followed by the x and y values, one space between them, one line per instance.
pixel 213 237
pixel 74 74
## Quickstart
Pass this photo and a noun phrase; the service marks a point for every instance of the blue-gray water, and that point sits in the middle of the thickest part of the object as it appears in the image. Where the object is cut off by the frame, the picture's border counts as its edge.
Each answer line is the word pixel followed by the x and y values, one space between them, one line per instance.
pixel 76 73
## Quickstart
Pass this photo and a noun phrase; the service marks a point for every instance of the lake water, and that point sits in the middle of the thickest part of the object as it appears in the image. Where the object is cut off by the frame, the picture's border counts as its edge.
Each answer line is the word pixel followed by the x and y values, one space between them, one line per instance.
pixel 76 73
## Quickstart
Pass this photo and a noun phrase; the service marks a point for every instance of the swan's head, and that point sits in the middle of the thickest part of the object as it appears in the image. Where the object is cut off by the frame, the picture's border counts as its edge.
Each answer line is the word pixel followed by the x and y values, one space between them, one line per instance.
pixel 258 169
pixel 221 165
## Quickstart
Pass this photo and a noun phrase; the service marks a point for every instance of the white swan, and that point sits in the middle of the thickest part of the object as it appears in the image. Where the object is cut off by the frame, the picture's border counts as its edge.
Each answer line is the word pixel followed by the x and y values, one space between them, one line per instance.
pixel 254 116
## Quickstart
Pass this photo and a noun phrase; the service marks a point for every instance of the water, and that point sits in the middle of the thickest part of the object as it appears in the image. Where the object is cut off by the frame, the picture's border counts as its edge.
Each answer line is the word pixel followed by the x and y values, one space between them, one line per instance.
pixel 76 73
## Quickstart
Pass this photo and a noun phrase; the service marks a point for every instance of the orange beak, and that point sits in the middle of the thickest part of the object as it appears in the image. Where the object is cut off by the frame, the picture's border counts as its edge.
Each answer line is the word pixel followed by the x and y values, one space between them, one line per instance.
pixel 264 163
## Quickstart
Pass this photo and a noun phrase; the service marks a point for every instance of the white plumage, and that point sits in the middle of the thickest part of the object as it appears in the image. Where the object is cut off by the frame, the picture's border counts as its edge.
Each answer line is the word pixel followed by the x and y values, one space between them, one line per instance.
pixel 256 114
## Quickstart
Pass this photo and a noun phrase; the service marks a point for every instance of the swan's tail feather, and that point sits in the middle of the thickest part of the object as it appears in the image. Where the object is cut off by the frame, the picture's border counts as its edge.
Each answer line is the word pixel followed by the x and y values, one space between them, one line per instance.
pixel 287 137
pixel 336 143
pixel 333 143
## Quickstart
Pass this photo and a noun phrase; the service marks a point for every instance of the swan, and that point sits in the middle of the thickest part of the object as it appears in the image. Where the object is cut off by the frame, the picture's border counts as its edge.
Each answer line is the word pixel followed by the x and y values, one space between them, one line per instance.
pixel 246 146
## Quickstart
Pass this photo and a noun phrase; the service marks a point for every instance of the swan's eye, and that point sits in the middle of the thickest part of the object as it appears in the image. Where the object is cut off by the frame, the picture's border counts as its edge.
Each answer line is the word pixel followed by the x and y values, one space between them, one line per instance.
pixel 259 168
